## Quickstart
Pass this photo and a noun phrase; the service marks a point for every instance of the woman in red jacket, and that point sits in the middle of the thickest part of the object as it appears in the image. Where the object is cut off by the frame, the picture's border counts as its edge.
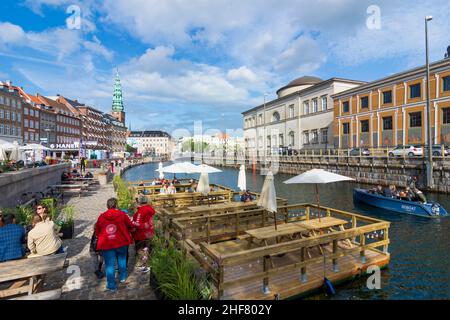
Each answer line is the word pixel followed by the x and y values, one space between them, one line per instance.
pixel 113 233
pixel 143 233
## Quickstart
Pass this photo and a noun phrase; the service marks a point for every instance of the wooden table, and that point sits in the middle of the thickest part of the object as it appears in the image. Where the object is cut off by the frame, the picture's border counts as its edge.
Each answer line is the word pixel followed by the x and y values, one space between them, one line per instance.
pixel 63 188
pixel 225 205
pixel 326 224
pixel 25 276
pixel 290 230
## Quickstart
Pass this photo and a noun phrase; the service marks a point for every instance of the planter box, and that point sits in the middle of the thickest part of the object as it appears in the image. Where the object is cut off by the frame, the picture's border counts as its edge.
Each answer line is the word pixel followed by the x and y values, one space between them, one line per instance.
pixel 68 231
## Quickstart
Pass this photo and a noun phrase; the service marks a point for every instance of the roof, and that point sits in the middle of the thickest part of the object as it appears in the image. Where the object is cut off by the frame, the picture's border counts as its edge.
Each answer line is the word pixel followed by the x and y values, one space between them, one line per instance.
pixel 302 81
pixel 55 105
pixel 149 134
pixel 306 90
pixel 394 77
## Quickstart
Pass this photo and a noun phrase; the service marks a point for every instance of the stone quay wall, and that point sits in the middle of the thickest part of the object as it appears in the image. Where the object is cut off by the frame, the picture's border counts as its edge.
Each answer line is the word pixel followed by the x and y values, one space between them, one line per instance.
pixel 364 169
pixel 14 184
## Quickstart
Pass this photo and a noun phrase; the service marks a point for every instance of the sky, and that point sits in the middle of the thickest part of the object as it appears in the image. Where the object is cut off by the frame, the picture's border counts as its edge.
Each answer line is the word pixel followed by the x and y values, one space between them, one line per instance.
pixel 183 61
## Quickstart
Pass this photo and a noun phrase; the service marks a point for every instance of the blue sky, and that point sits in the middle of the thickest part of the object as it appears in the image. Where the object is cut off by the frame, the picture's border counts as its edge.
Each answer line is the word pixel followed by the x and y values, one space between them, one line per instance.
pixel 204 60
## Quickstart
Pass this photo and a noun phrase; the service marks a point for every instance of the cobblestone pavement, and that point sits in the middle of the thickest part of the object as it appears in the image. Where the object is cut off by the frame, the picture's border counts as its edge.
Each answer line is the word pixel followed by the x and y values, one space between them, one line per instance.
pixel 78 281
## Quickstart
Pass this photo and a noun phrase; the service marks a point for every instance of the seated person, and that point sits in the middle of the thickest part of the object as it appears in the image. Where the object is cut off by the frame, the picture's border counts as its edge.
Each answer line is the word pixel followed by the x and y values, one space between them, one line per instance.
pixel 65 176
pixel 75 173
pixel 419 195
pixel 146 191
pixel 175 180
pixel 153 182
pixel 379 190
pixel 141 183
pixel 393 190
pixel 246 196
pixel 43 239
pixel 12 236
pixel 89 175
pixel 171 189
pixel 388 192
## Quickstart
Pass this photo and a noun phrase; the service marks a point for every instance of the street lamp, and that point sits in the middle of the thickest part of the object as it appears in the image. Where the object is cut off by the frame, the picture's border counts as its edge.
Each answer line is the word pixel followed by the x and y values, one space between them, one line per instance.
pixel 264 131
pixel 429 163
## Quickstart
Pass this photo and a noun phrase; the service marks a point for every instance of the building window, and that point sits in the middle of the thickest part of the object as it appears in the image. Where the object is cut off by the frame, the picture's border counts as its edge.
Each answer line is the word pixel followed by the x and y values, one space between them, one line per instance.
pixel 415 119
pixel 2 114
pixel 315 106
pixel 346 106
pixel 281 140
pixel 324 133
pixel 364 102
pixel 306 107
pixel 291 111
pixel 276 116
pixel 364 126
pixel 305 137
pixel 25 134
pixel 292 138
pixel 387 123
pixel 445 115
pixel 324 103
pixel 260 117
pixel 387 97
pixel 25 111
pixel 414 91
pixel 346 128
pixel 315 136
pixel 446 83
pixel 25 123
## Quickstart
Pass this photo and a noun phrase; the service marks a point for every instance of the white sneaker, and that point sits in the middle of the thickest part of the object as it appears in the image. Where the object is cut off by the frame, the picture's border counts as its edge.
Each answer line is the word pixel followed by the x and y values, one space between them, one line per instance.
pixel 145 269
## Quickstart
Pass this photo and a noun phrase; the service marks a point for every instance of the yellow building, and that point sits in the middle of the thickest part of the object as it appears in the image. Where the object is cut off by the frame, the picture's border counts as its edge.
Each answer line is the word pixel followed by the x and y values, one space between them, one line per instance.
pixel 392 111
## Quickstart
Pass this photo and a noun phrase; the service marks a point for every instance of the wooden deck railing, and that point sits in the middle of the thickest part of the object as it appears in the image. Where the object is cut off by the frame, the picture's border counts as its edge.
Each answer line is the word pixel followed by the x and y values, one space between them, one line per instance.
pixel 365 233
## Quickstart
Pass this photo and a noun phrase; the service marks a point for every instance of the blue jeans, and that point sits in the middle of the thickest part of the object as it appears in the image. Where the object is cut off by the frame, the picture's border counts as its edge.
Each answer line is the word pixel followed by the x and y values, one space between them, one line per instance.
pixel 110 256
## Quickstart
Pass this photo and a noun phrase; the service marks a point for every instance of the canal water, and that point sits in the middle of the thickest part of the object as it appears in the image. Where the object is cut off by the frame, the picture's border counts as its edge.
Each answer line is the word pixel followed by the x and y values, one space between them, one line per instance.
pixel 420 247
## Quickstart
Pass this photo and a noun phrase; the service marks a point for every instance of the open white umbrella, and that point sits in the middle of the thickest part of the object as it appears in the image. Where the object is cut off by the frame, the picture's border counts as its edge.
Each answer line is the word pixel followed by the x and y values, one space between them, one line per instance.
pixel 268 197
pixel 181 167
pixel 317 176
pixel 161 173
pixel 242 179
pixel 204 168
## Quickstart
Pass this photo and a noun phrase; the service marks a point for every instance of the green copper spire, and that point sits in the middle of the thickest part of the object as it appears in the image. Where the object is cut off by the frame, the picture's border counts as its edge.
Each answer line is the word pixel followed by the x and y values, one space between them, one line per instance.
pixel 117 96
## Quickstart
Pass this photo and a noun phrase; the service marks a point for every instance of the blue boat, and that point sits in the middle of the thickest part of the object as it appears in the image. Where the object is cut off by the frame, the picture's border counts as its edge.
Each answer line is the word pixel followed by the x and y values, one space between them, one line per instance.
pixel 429 209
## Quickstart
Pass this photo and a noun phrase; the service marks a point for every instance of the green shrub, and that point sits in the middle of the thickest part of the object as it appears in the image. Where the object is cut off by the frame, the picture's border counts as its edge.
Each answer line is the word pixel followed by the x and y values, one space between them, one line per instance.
pixel 125 196
pixel 67 214
pixel 175 273
pixel 24 215
pixel 52 209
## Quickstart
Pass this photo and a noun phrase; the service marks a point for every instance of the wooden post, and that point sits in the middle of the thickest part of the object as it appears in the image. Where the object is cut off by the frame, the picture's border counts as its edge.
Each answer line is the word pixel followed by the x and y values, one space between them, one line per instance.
pixel 208 231
pixel 237 224
pixel 266 279
pixel 303 277
pixel 220 284
pixel 264 217
pixel 335 264
pixel 328 213
pixel 353 227
pixel 386 237
pixel 307 213
pixel 362 242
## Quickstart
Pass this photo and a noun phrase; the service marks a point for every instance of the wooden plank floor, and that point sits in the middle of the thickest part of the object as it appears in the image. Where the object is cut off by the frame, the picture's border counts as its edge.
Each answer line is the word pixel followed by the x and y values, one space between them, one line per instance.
pixel 288 284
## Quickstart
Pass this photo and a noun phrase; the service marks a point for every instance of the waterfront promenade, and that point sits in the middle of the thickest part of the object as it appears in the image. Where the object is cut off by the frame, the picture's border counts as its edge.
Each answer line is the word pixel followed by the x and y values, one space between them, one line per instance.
pixel 78 281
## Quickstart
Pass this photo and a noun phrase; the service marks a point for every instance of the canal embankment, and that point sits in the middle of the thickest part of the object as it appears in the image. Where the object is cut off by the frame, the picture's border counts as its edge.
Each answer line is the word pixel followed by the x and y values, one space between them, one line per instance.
pixel 364 169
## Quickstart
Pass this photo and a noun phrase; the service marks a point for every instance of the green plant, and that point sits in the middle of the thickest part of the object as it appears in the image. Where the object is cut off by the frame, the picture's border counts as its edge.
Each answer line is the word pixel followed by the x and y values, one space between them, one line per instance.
pixel 125 196
pixel 175 273
pixel 50 203
pixel 67 214
pixel 24 215
pixel 116 182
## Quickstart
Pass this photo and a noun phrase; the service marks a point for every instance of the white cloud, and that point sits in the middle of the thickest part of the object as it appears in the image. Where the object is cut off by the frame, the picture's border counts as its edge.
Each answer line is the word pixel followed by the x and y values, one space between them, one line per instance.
pixel 11 33
pixel 96 47
pixel 242 74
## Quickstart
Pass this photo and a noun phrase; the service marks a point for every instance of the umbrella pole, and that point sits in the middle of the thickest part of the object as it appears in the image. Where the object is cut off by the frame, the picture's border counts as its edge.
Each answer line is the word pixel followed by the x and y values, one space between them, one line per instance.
pixel 275 218
pixel 318 200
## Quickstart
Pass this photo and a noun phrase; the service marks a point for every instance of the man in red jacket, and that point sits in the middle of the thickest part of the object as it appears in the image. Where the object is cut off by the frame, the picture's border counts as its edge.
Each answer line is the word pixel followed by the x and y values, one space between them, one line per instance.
pixel 113 233
pixel 143 233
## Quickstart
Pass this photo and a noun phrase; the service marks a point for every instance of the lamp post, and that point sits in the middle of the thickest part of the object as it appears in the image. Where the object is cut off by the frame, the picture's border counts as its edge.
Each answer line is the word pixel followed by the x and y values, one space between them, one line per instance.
pixel 265 134
pixel 429 163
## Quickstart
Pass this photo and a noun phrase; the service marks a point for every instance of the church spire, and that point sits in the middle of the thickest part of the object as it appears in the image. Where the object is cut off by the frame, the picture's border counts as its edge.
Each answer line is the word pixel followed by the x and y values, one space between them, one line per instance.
pixel 117 95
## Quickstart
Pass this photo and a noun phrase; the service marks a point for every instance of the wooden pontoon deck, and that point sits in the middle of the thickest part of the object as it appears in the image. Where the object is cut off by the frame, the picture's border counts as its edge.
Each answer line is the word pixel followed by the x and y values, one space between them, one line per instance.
pixel 249 259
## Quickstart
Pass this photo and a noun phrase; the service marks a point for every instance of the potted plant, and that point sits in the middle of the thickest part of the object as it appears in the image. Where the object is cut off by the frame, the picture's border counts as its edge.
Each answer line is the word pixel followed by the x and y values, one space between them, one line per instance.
pixel 66 222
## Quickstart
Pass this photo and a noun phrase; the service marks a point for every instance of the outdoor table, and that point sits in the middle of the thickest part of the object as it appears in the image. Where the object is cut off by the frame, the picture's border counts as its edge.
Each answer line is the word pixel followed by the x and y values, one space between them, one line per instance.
pixel 225 205
pixel 326 224
pixel 290 230
pixel 69 187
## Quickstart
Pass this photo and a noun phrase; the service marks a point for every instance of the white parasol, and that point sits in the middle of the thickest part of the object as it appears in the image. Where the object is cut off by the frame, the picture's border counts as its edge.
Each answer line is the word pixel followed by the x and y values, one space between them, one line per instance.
pixel 317 176
pixel 161 173
pixel 268 197
pixel 242 179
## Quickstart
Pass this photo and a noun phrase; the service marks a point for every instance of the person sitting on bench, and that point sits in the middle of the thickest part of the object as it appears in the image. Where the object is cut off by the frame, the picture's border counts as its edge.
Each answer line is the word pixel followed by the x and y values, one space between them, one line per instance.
pixel 12 236
pixel 43 239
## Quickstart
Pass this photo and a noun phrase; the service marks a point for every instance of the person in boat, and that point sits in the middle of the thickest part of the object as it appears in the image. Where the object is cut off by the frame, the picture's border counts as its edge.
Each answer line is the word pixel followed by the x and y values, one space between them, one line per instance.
pixel 394 191
pixel 387 192
pixel 412 181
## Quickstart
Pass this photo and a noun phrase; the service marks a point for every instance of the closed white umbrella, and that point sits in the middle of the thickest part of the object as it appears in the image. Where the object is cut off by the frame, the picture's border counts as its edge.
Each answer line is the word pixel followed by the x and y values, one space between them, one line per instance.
pixel 2 154
pixel 161 173
pixel 317 176
pixel 242 179
pixel 203 184
pixel 268 198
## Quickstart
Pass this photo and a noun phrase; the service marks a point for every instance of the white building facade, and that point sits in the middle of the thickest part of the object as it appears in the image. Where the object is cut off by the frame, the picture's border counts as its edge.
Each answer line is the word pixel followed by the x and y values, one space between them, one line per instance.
pixel 300 118
pixel 151 143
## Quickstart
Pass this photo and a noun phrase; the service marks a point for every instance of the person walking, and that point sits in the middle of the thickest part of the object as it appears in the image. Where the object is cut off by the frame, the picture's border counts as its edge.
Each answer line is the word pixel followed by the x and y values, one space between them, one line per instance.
pixel 143 233
pixel 113 232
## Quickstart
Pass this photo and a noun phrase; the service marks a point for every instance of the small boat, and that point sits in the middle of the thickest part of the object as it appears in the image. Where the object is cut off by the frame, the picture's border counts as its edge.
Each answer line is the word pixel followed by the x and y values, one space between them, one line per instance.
pixel 430 209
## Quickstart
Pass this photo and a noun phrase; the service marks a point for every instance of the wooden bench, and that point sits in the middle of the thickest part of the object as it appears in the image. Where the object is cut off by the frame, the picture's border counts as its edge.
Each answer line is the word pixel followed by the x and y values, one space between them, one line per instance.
pixel 70 189
pixel 25 276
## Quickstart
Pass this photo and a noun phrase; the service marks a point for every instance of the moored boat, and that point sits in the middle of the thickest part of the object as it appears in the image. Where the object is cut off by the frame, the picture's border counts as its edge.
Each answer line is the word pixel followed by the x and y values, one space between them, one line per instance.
pixel 430 209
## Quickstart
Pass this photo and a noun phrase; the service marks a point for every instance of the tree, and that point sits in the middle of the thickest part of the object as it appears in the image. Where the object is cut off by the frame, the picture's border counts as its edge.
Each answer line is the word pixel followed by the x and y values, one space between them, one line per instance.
pixel 130 149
